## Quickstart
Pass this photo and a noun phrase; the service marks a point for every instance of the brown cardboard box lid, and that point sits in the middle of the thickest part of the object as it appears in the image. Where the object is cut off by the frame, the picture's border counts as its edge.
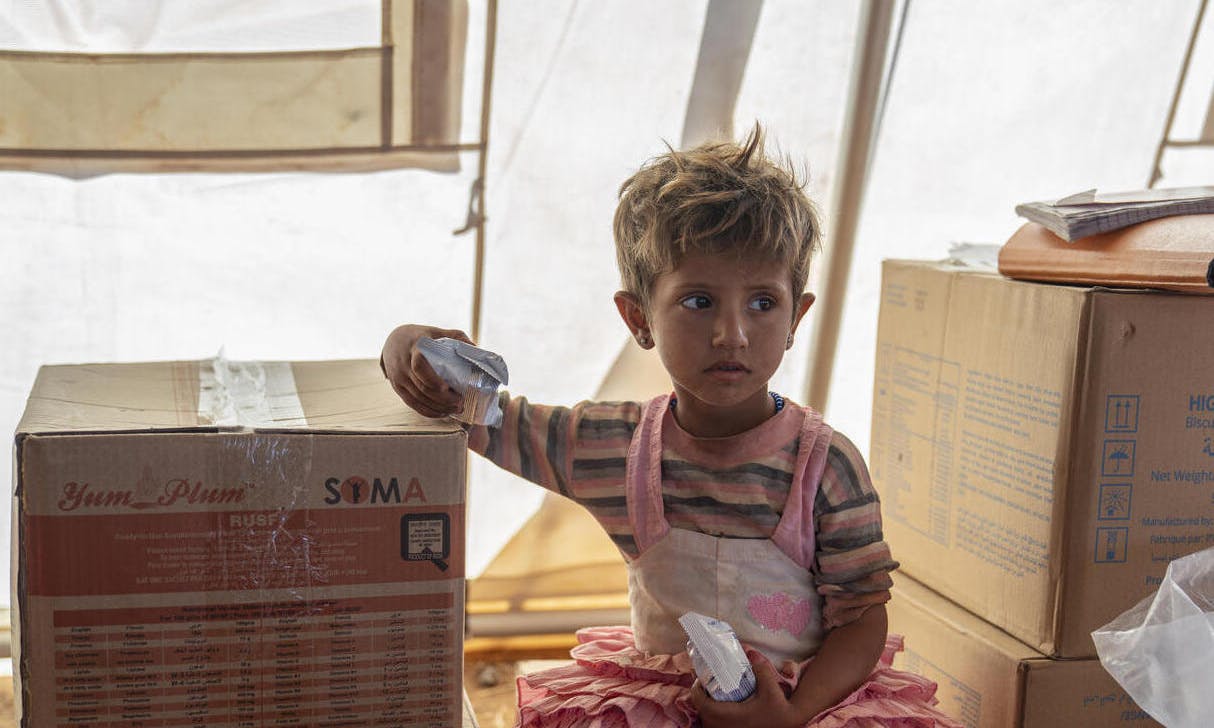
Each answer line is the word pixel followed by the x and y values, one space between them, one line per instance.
pixel 1175 253
pixel 350 395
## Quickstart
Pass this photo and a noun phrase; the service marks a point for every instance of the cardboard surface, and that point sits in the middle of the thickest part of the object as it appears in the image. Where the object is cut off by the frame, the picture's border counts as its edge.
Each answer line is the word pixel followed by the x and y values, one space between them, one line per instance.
pixel 987 679
pixel 1042 452
pixel 289 556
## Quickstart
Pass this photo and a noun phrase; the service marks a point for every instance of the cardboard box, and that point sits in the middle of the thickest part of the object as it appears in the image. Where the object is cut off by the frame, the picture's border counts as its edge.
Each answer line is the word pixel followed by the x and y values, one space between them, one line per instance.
pixel 987 679
pixel 213 543
pixel 1042 451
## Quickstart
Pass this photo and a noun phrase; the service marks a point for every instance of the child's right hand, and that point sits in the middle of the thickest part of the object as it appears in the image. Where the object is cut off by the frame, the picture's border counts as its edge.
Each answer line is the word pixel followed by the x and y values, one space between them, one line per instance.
pixel 767 707
pixel 412 377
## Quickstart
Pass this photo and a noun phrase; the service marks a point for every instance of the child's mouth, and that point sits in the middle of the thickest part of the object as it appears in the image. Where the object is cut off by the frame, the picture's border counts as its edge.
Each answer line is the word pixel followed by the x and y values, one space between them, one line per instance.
pixel 728 370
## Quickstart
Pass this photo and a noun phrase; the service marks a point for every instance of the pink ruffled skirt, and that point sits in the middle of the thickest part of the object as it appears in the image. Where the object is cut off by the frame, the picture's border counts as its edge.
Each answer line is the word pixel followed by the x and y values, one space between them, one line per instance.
pixel 612 684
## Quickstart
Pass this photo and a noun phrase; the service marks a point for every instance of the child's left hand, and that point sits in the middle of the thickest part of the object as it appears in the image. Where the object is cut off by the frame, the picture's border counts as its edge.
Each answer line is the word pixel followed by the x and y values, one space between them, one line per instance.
pixel 767 707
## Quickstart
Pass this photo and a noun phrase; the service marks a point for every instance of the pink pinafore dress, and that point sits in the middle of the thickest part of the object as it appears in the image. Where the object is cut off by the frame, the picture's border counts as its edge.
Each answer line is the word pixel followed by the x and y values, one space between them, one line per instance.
pixel 763 588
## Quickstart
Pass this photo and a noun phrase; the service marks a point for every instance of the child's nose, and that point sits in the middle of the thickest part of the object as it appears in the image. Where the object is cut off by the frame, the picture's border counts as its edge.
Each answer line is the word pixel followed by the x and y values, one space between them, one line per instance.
pixel 729 331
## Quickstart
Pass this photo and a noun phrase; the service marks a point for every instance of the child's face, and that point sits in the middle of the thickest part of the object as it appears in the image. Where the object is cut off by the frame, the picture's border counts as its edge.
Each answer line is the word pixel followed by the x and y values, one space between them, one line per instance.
pixel 721 327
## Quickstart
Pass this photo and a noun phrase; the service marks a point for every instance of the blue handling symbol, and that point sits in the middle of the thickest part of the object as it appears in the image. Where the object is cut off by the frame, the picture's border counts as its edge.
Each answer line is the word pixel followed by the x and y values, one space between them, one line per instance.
pixel 1111 546
pixel 1119 456
pixel 1115 503
pixel 1121 413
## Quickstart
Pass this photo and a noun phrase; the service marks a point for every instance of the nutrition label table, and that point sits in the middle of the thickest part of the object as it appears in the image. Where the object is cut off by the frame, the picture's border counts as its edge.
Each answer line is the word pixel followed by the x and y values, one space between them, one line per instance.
pixel 372 661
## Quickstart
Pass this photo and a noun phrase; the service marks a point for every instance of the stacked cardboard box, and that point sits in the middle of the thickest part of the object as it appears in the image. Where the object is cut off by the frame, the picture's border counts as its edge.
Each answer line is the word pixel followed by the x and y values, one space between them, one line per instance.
pixel 1042 451
pixel 988 679
pixel 238 545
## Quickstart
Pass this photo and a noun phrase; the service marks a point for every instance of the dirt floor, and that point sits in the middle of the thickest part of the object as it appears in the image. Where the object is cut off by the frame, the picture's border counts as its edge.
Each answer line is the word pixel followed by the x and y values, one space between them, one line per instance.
pixel 490 688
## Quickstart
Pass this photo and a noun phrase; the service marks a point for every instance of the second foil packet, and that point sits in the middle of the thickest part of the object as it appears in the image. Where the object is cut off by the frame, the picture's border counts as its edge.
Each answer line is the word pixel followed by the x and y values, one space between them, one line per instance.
pixel 718 658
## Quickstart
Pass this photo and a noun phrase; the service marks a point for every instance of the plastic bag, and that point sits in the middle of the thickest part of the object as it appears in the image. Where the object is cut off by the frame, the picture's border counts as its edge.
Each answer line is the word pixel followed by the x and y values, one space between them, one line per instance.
pixel 1162 650
pixel 718 658
pixel 473 372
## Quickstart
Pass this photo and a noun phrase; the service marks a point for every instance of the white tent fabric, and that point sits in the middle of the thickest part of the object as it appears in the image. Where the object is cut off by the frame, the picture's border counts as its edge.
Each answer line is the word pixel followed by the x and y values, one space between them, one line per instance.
pixel 991 104
pixel 388 104
pixel 169 26
pixel 1030 101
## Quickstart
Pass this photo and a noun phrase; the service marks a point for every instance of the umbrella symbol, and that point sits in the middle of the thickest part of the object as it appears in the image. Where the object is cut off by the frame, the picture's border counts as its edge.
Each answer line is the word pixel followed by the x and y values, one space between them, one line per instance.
pixel 1119 455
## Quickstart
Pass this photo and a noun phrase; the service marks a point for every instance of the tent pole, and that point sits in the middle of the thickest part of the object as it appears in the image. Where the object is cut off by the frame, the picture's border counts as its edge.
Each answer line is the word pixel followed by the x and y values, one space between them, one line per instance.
pixel 864 95
pixel 478 281
pixel 1164 139
pixel 725 44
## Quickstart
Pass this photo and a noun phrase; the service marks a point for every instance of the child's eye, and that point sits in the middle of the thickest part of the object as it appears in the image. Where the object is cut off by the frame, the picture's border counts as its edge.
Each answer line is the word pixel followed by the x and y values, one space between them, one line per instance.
pixel 763 303
pixel 696 301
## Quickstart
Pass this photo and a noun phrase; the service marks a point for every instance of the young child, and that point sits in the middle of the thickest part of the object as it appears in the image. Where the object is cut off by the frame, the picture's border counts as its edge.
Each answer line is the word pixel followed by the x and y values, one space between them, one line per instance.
pixel 724 498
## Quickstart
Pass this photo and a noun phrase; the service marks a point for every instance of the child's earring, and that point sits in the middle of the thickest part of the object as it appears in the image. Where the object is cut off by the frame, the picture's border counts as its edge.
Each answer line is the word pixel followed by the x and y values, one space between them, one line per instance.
pixel 789 344
pixel 644 340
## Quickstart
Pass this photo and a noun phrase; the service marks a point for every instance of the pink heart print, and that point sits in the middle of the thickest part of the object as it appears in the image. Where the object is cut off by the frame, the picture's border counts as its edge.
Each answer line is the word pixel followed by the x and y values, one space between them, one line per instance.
pixel 780 611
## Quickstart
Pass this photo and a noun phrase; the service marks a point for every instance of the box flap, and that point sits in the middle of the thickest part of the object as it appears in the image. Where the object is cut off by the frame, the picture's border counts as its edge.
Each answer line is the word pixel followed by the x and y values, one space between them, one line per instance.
pixel 214 394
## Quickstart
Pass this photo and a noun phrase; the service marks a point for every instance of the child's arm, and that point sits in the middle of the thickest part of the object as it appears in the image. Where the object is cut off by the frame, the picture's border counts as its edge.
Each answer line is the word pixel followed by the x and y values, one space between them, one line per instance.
pixel 574 451
pixel 846 658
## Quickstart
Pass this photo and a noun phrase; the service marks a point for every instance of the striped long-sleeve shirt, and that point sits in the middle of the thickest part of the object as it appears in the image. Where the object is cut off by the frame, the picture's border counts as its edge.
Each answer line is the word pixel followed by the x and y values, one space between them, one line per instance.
pixel 733 487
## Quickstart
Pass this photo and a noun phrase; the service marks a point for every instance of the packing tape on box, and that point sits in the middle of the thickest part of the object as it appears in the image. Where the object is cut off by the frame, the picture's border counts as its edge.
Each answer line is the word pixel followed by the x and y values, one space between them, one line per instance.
pixel 248 394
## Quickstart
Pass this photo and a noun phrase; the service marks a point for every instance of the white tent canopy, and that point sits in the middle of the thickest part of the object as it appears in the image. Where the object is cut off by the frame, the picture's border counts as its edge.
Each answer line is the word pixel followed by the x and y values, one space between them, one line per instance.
pixel 989 104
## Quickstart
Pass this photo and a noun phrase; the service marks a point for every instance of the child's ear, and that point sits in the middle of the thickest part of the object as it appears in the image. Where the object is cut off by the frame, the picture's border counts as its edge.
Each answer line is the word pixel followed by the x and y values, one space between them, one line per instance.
pixel 803 304
pixel 633 313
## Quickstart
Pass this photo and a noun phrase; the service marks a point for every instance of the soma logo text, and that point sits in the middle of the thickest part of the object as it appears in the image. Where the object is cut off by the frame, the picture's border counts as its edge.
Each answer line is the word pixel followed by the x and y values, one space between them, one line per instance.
pixel 357 490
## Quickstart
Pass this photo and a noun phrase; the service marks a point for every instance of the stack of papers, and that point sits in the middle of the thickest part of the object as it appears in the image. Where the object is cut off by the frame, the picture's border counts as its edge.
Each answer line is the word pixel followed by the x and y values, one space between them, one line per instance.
pixel 1088 213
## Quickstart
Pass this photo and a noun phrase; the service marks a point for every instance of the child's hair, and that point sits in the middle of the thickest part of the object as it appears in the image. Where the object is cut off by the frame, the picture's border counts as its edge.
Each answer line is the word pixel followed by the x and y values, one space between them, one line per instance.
pixel 720 197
